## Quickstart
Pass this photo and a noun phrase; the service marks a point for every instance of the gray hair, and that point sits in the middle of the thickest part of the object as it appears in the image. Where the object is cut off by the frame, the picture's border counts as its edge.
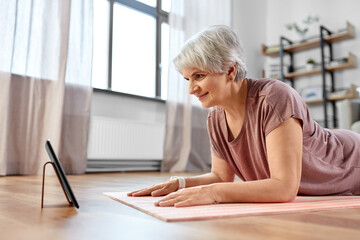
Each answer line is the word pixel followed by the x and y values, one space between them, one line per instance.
pixel 213 50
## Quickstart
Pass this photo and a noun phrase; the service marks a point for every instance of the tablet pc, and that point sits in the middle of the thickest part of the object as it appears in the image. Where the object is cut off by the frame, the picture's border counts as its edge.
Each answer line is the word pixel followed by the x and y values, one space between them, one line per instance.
pixel 61 173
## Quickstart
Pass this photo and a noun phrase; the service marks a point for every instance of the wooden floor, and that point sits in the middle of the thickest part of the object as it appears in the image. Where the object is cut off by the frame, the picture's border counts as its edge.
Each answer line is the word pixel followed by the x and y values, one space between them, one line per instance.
pixel 102 218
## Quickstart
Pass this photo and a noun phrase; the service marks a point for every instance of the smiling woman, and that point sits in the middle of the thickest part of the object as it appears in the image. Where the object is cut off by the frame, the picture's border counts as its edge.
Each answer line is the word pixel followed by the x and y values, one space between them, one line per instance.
pixel 207 86
pixel 260 130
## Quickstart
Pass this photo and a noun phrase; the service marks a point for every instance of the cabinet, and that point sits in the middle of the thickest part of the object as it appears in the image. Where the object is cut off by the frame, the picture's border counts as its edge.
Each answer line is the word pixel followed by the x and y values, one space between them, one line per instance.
pixel 326 69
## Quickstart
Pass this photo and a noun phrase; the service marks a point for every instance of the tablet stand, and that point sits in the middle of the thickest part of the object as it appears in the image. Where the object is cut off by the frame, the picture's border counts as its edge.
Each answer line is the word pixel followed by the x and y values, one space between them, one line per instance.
pixel 43 184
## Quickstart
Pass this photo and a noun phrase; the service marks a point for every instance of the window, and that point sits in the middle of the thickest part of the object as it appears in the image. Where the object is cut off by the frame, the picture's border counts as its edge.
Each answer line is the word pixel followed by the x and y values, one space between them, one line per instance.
pixel 131 46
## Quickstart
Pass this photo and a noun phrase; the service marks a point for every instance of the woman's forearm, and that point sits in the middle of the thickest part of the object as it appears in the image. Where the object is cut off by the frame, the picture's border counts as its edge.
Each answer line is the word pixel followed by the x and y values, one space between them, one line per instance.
pixel 267 190
pixel 204 179
pixel 220 172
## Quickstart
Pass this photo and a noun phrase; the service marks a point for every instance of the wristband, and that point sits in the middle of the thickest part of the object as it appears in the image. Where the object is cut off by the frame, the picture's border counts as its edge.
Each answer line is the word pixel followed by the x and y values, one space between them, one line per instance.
pixel 181 180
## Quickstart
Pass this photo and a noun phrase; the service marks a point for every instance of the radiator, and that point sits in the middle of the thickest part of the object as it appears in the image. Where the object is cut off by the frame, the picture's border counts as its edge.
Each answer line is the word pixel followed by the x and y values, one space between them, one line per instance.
pixel 124 145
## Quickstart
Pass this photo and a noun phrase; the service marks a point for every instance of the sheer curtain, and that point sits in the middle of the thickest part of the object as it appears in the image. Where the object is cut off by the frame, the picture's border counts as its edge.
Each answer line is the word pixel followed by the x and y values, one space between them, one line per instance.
pixel 45 83
pixel 187 145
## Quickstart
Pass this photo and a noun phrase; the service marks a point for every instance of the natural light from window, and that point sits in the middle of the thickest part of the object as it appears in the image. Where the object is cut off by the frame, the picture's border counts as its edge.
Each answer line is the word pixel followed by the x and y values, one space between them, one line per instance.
pixel 164 58
pixel 100 44
pixel 133 55
pixel 133 59
pixel 166 5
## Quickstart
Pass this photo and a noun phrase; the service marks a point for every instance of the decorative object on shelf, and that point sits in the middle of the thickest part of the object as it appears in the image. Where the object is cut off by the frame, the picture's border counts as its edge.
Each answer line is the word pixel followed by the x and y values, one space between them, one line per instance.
pixel 310 64
pixel 302 30
pixel 337 62
pixel 274 70
pixel 311 93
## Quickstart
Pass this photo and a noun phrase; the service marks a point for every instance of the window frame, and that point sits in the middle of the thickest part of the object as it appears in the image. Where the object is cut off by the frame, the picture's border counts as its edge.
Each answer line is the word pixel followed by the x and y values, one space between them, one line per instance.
pixel 160 18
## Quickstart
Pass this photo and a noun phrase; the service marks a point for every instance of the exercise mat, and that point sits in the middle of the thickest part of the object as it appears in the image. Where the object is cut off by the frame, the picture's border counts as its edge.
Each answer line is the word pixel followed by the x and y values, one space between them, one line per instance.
pixel 214 211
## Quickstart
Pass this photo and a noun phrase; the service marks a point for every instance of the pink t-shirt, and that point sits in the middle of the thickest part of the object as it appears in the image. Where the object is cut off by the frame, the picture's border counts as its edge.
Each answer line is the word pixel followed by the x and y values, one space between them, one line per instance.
pixel 331 158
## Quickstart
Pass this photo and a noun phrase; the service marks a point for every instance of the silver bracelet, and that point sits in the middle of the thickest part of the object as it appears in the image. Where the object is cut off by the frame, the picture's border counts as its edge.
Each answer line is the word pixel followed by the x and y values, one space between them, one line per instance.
pixel 181 180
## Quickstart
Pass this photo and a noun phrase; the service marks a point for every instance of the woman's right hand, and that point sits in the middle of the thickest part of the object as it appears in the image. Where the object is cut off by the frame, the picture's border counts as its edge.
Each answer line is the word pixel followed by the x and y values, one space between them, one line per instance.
pixel 157 190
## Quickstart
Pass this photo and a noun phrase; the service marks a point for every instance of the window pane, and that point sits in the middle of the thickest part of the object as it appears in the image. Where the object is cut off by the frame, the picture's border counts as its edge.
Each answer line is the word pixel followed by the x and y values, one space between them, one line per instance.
pixel 133 59
pixel 166 5
pixel 151 3
pixel 100 48
pixel 164 58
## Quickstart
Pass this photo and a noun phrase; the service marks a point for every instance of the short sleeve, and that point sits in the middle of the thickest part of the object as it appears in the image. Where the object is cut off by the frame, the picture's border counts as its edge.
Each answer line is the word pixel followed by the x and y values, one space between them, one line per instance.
pixel 281 103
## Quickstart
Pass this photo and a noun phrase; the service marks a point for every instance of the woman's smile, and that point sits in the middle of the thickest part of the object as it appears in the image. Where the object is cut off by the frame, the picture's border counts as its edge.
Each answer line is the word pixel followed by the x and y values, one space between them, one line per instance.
pixel 201 97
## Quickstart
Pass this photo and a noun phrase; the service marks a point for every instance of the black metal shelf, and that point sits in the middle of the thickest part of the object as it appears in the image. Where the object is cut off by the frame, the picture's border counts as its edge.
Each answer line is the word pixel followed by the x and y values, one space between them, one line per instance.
pixel 327 38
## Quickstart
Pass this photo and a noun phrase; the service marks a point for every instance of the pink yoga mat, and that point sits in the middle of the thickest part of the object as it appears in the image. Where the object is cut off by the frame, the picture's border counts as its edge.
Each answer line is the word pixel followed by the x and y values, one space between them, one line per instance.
pixel 171 214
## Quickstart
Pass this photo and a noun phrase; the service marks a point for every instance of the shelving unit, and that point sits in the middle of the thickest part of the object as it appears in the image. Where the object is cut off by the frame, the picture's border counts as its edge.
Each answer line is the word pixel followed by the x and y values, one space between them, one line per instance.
pixel 325 40
pixel 274 51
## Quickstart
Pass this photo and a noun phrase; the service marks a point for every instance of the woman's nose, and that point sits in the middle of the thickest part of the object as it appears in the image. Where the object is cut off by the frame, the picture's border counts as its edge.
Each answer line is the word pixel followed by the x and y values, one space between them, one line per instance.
pixel 192 87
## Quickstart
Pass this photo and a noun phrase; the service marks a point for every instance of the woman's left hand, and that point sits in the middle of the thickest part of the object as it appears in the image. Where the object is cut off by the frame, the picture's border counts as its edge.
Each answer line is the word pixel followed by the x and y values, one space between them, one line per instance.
pixel 200 195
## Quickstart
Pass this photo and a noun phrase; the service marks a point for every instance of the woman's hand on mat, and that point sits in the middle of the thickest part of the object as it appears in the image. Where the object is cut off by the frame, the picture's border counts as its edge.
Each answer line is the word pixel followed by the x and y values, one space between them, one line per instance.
pixel 157 190
pixel 200 195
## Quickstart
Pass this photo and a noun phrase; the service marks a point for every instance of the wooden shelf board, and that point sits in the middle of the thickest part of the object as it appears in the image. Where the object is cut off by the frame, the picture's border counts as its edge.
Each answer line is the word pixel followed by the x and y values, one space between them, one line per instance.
pixel 350 64
pixel 338 37
pixel 350 33
pixel 315 101
pixel 341 67
pixel 272 53
pixel 318 101
pixel 303 74
pixel 303 46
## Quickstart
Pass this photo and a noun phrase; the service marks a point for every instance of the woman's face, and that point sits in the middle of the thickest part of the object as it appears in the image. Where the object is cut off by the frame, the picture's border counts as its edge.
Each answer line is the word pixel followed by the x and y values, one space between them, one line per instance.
pixel 207 87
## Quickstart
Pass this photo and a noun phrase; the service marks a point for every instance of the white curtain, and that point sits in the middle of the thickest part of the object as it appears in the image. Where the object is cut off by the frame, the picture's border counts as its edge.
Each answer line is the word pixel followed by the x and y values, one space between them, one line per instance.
pixel 187 145
pixel 45 83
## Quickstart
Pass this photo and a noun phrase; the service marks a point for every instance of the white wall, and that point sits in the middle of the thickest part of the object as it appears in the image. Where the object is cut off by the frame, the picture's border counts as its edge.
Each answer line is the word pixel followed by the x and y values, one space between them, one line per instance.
pixel 122 106
pixel 250 24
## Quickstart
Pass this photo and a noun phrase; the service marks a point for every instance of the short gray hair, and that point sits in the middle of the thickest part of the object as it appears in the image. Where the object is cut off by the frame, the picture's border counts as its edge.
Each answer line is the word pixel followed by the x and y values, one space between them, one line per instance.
pixel 213 50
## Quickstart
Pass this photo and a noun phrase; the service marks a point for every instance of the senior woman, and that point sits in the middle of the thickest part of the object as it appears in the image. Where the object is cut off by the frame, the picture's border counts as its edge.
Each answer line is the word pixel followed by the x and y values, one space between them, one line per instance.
pixel 260 130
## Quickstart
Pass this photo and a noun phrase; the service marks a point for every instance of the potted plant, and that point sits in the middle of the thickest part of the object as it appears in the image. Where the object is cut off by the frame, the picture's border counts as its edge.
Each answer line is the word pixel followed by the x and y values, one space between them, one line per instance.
pixel 310 64
pixel 302 29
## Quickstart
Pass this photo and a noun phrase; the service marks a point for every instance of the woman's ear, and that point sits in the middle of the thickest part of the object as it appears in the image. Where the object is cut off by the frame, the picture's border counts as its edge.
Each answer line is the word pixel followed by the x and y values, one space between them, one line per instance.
pixel 232 72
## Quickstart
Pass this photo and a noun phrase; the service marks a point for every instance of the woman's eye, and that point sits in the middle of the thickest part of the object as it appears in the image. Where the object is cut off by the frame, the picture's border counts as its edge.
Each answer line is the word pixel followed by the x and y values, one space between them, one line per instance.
pixel 199 76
